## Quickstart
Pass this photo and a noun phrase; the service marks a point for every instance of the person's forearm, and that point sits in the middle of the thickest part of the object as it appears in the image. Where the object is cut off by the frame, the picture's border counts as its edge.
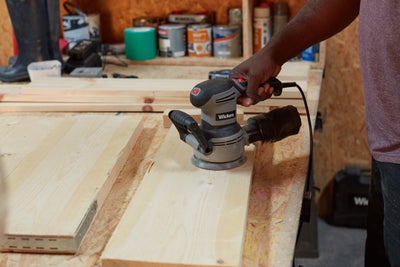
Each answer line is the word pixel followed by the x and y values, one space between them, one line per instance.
pixel 315 22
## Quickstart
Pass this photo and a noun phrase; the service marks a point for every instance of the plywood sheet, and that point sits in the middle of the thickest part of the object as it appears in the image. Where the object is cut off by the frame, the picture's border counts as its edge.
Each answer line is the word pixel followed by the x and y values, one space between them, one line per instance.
pixel 182 215
pixel 58 171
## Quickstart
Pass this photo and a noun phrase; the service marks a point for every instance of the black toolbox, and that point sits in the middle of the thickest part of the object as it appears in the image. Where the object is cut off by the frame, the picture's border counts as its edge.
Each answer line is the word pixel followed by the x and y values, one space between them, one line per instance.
pixel 350 197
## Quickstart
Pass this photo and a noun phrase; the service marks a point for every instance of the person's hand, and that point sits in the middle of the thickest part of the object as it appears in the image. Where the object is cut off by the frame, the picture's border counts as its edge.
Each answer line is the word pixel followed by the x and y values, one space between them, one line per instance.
pixel 256 70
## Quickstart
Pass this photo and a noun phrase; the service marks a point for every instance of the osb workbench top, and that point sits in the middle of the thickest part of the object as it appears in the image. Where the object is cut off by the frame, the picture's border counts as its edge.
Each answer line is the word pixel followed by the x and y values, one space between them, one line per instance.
pixel 275 201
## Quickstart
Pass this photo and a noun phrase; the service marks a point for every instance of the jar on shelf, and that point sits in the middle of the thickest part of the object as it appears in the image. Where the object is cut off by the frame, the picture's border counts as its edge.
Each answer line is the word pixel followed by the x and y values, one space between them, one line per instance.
pixel 262 27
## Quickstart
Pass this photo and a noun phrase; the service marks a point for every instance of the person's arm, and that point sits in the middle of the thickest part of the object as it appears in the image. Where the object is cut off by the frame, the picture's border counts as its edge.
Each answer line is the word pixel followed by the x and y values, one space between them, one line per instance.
pixel 317 20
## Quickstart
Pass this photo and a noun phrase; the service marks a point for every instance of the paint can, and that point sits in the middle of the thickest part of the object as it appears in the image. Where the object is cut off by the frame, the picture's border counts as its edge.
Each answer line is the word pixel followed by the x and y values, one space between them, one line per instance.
pixel 227 41
pixel 199 40
pixel 172 40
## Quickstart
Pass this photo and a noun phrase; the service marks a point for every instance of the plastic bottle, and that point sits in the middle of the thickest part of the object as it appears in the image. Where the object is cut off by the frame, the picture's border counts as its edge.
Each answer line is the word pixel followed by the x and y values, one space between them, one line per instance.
pixel 262 26
pixel 311 53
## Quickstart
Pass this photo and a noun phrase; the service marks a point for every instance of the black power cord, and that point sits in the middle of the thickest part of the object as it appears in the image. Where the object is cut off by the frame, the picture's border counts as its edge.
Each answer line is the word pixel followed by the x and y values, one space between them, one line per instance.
pixel 306 204
pixel 309 169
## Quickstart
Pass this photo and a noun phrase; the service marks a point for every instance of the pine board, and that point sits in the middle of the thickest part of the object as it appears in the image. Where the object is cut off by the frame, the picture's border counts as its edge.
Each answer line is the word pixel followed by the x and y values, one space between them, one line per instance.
pixel 182 215
pixel 128 87
pixel 97 94
pixel 58 171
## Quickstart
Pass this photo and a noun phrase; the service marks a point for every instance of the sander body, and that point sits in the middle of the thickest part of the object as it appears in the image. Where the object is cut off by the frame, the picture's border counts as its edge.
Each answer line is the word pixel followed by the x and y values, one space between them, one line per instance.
pixel 219 141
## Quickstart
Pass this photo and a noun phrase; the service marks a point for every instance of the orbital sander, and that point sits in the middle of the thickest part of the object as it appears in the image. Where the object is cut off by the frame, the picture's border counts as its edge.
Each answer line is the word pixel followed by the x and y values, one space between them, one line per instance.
pixel 219 141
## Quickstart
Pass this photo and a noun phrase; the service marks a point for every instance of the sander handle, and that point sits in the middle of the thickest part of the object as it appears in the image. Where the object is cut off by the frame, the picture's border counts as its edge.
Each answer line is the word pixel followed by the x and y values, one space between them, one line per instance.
pixel 241 85
pixel 189 131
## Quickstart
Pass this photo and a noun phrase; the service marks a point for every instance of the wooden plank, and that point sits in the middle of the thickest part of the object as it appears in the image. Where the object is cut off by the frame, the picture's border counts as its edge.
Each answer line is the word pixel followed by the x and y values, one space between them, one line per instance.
pixel 59 170
pixel 130 107
pixel 128 87
pixel 74 102
pixel 142 87
pixel 65 89
pixel 115 95
pixel 247 29
pixel 182 215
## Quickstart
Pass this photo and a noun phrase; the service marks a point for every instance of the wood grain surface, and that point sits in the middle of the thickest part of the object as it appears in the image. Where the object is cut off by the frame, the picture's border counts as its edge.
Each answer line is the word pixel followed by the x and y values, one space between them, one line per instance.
pixel 58 170
pixel 275 195
pixel 182 215
pixel 97 94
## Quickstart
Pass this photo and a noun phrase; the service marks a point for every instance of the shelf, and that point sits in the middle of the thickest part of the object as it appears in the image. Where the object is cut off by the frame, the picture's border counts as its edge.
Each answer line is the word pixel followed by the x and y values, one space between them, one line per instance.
pixel 181 61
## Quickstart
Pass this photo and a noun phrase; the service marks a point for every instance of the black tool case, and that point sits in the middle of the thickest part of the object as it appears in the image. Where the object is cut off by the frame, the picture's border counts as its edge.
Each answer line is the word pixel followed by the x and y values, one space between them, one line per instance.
pixel 350 197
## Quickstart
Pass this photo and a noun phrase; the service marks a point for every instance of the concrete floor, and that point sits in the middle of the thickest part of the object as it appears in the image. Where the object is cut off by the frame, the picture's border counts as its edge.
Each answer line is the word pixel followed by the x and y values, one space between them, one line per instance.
pixel 337 246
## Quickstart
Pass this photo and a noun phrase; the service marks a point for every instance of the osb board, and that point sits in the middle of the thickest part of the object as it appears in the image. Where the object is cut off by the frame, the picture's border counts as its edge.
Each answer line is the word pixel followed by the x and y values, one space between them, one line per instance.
pixel 113 25
pixel 182 215
pixel 6 44
pixel 117 16
pixel 275 201
pixel 58 171
pixel 342 140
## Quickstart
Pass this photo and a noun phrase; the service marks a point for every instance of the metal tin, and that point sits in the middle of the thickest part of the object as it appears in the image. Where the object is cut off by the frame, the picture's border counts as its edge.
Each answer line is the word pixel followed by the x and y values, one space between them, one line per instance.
pixel 183 17
pixel 199 40
pixel 172 40
pixel 148 22
pixel 235 15
pixel 227 41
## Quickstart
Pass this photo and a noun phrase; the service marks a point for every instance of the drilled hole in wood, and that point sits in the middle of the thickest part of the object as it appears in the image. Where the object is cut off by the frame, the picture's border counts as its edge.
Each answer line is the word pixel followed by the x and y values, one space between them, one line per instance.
pixel 148 100
pixel 147 108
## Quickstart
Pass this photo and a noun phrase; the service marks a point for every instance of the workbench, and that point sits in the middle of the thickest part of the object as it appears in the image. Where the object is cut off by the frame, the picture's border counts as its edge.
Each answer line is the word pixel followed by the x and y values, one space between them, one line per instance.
pixel 276 194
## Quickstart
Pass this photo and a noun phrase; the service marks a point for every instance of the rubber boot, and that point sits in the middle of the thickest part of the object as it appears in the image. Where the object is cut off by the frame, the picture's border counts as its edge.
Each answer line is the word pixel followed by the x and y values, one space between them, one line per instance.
pixel 53 14
pixel 29 21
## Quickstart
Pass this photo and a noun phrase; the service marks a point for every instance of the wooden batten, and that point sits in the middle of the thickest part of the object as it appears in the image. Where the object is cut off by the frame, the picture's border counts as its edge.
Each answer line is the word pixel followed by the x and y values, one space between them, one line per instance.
pixel 115 95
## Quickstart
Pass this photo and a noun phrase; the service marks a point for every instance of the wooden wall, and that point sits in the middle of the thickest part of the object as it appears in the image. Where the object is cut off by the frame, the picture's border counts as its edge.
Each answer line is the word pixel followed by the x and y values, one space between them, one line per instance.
pixel 342 139
pixel 6 48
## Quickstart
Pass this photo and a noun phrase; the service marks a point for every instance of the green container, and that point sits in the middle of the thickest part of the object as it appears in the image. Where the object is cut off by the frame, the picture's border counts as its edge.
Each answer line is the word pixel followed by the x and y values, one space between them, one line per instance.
pixel 140 43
